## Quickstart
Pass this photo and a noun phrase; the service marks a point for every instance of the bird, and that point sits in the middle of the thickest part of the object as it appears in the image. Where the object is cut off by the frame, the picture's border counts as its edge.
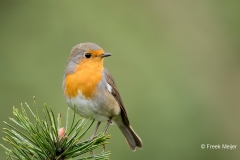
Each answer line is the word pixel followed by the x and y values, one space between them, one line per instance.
pixel 91 90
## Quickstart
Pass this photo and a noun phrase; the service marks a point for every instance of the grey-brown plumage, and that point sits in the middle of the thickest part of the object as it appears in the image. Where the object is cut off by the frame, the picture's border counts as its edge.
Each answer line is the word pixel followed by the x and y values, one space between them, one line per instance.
pixel 132 138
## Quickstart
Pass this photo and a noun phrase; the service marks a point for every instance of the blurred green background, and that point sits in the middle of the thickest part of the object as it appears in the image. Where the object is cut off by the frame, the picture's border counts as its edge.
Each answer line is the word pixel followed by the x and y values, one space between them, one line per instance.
pixel 176 64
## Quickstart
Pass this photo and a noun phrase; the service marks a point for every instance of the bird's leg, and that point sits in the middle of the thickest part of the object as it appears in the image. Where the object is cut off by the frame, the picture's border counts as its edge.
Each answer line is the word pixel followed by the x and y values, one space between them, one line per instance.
pixel 93 135
pixel 109 122
pixel 95 131
pixel 104 132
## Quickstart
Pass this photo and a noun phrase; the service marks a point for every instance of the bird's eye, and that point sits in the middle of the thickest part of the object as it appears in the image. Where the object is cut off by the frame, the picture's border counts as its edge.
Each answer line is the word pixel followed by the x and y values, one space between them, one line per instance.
pixel 88 55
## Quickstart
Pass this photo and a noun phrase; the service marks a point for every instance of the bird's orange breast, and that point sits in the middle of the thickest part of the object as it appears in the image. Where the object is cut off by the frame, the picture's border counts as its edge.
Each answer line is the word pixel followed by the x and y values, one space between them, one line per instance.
pixel 85 79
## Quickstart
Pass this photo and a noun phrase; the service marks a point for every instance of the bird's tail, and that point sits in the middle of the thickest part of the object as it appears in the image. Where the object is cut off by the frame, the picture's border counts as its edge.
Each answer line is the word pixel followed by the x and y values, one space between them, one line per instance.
pixel 132 138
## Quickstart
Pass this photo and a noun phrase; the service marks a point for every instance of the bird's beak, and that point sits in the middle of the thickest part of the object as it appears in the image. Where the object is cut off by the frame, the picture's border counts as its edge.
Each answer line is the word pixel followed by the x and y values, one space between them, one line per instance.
pixel 105 55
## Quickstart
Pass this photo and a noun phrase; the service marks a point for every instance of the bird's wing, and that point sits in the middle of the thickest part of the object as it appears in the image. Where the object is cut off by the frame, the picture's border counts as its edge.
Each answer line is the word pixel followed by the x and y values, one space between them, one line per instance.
pixel 117 97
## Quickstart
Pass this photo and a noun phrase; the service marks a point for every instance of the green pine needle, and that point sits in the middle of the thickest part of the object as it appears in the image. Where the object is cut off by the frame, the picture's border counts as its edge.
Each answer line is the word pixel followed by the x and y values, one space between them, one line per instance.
pixel 40 140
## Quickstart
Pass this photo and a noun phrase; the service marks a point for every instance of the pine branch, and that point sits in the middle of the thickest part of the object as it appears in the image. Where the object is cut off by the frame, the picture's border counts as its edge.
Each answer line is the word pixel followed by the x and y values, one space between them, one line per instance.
pixel 46 140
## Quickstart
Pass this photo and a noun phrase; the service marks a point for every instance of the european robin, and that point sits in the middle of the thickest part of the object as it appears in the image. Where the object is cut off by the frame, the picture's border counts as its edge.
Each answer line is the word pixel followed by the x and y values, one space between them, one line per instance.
pixel 89 87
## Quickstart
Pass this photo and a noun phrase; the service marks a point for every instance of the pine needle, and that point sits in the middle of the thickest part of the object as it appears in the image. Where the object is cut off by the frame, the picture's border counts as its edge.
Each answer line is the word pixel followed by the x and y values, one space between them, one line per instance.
pixel 39 140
